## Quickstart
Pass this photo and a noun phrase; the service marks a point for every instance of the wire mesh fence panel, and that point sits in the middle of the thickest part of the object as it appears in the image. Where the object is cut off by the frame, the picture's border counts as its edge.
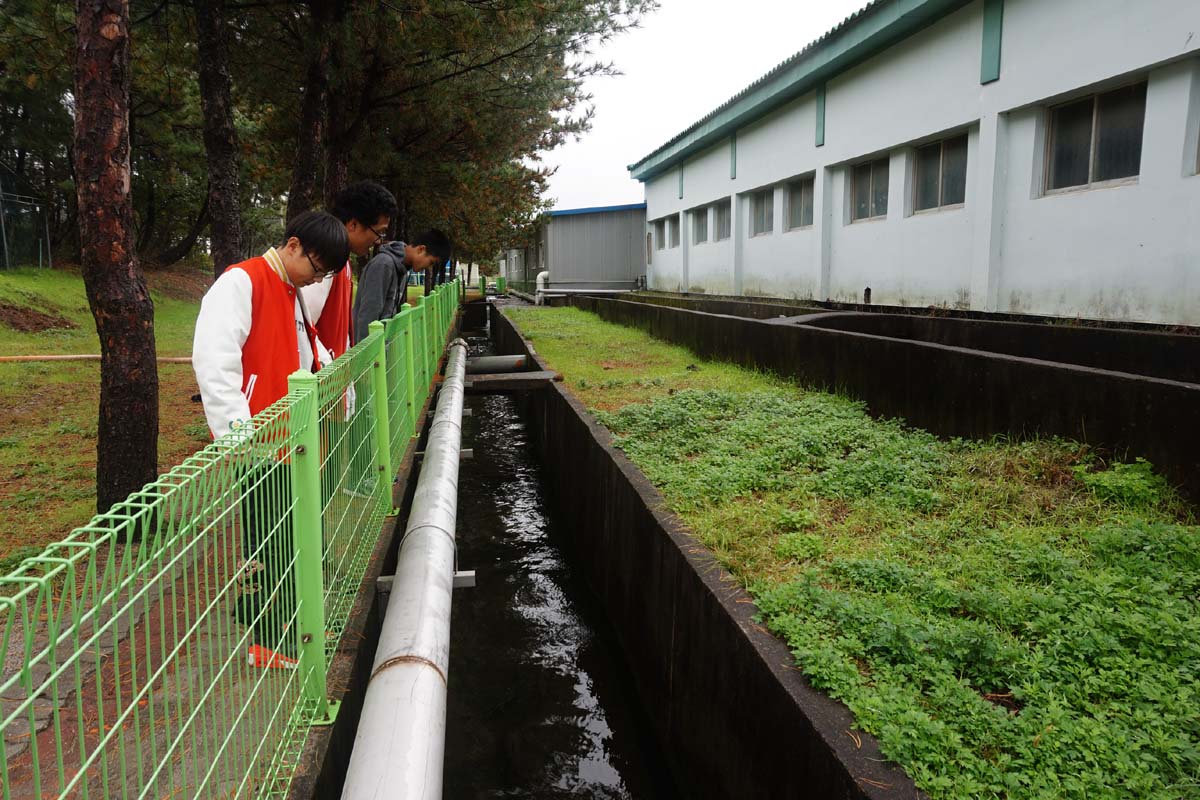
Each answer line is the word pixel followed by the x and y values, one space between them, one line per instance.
pixel 400 411
pixel 156 652
pixel 419 362
pixel 431 336
pixel 130 647
pixel 352 489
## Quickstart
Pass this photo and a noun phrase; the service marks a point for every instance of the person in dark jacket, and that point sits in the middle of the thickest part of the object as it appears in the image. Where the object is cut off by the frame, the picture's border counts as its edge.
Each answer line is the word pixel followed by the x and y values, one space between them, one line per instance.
pixel 384 280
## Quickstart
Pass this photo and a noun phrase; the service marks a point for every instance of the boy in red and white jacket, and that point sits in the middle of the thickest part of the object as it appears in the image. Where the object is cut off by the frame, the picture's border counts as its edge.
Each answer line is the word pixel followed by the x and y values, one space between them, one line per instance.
pixel 253 331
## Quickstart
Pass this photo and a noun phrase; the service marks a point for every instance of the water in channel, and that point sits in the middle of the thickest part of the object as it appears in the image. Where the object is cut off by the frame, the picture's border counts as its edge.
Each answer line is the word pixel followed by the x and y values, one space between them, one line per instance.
pixel 539 704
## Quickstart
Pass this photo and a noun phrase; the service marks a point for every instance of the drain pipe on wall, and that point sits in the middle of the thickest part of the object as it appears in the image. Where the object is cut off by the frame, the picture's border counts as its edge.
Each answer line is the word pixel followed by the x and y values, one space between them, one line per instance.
pixel 401 738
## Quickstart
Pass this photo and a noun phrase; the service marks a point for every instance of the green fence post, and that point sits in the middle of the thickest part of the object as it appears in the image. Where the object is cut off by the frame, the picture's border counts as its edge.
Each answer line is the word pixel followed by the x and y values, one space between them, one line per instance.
pixel 483 284
pixel 435 322
pixel 418 357
pixel 383 422
pixel 426 319
pixel 305 432
pixel 410 383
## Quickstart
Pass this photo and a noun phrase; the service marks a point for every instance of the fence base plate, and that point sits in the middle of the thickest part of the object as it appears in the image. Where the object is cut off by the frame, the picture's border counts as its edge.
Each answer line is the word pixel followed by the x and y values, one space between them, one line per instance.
pixel 330 715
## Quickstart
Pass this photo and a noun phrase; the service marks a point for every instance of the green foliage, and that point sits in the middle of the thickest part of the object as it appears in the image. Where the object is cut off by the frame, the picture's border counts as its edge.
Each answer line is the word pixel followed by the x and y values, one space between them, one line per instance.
pixel 799 546
pixel 792 519
pixel 706 446
pixel 1133 484
pixel 1006 620
pixel 198 431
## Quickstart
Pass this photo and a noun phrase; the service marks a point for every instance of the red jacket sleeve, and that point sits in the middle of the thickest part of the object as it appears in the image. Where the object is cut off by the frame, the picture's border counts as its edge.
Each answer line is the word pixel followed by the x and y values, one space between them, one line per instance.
pixel 334 324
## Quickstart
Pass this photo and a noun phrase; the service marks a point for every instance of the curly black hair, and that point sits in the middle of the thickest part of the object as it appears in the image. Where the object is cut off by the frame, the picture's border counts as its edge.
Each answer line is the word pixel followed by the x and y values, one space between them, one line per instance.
pixel 365 201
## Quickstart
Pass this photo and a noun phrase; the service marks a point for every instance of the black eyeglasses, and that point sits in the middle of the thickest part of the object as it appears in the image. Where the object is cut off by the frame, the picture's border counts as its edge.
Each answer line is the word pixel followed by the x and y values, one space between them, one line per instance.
pixel 380 238
pixel 321 274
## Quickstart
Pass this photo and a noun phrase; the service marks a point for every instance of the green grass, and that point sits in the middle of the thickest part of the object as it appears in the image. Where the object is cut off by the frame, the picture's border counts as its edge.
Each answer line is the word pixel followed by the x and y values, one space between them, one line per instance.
pixel 48 437
pixel 61 293
pixel 1010 619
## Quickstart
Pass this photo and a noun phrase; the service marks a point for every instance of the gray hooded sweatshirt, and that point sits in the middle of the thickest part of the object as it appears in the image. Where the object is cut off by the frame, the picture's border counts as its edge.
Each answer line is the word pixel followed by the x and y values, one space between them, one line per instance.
pixel 381 288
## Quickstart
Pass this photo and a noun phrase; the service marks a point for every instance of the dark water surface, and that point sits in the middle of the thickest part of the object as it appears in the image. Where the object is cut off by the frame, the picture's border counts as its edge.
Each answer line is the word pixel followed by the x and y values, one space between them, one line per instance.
pixel 540 704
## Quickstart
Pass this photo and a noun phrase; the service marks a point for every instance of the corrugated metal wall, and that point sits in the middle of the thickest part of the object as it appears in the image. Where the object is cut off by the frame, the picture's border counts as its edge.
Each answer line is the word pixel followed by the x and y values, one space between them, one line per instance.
pixel 604 250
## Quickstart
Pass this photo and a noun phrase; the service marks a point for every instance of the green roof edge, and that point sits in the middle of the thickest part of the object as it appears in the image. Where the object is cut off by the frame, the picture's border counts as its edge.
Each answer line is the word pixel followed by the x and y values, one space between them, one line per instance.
pixel 866 33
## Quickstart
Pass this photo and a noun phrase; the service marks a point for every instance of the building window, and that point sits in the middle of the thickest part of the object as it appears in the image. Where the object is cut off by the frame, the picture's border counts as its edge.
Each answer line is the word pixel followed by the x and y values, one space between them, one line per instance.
pixel 869 190
pixel 940 174
pixel 800 203
pixel 722 220
pixel 762 212
pixel 700 225
pixel 660 234
pixel 1096 139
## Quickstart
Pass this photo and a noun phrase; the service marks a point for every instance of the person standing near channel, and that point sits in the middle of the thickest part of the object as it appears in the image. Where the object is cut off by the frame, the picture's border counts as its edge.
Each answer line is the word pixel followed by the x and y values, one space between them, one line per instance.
pixel 384 280
pixel 253 331
pixel 366 209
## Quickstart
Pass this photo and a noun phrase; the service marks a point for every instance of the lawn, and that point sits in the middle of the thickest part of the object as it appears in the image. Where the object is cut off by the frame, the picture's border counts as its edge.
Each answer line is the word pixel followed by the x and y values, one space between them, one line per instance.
pixel 1010 619
pixel 48 439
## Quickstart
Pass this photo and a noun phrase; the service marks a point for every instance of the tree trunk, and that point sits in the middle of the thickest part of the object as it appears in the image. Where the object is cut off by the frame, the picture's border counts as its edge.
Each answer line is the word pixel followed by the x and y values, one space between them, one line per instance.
pixel 348 108
pixel 220 137
pixel 180 249
pixel 337 171
pixel 127 434
pixel 305 190
pixel 149 220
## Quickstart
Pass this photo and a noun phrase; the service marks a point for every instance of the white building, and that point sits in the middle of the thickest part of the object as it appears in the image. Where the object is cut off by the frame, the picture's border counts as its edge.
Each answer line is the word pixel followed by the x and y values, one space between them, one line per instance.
pixel 1021 156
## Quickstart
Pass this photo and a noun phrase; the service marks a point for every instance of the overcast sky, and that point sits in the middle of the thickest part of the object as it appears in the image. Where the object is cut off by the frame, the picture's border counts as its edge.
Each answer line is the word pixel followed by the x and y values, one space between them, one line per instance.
pixel 687 58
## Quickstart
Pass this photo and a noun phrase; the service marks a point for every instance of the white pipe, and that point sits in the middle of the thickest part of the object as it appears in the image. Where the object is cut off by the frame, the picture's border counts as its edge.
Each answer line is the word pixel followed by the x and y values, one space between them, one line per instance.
pixel 401 739
pixel 542 278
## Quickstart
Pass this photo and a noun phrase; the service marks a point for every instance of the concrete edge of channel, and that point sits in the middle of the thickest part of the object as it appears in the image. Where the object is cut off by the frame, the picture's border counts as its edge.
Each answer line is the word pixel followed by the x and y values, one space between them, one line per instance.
pixel 734 716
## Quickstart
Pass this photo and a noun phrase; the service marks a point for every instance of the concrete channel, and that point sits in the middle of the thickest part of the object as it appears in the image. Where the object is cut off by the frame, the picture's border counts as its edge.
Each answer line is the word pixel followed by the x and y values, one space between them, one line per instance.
pixel 540 702
pixel 731 714
pixel 698 700
pixel 650 679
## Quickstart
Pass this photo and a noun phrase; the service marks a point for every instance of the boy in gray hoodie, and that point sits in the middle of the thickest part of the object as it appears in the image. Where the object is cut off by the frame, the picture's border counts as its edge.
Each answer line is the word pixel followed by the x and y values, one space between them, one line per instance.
pixel 384 280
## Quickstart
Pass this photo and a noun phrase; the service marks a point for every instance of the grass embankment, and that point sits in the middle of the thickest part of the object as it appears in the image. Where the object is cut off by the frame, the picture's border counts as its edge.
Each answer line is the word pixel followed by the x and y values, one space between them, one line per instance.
pixel 48 437
pixel 1009 619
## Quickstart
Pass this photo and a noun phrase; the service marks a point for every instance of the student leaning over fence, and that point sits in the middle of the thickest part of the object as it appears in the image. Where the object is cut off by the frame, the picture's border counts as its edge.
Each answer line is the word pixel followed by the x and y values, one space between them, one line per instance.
pixel 383 284
pixel 251 334
pixel 366 209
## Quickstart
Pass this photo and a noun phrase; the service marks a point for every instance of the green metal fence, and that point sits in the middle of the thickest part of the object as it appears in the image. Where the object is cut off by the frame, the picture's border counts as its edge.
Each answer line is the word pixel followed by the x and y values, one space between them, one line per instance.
pixel 178 645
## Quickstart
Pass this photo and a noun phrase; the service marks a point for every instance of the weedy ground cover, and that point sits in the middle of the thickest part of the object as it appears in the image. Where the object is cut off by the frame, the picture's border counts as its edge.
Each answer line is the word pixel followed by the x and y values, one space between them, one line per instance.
pixel 48 430
pixel 1010 619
